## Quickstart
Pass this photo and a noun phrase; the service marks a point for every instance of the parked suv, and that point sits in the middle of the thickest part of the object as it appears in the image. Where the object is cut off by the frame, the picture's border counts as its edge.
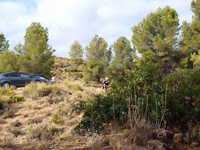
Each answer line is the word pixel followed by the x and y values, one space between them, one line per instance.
pixel 17 79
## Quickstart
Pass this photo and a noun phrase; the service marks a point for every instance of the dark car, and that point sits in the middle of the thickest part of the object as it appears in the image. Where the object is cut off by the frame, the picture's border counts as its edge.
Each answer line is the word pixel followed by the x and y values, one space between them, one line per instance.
pixel 17 79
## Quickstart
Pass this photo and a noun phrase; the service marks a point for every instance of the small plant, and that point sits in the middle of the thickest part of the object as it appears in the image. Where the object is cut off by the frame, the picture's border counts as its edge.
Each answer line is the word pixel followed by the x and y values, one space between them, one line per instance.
pixel 8 111
pixel 16 131
pixel 40 132
pixel 58 116
pixel 55 98
pixel 43 132
pixel 16 98
pixel 2 101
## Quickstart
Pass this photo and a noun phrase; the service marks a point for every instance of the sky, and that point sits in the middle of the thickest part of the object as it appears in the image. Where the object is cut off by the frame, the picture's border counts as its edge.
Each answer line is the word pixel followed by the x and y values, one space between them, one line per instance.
pixel 70 20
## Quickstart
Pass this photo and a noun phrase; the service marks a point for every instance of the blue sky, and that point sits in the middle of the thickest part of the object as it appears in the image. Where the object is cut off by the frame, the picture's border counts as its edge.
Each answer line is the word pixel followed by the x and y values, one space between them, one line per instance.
pixel 70 20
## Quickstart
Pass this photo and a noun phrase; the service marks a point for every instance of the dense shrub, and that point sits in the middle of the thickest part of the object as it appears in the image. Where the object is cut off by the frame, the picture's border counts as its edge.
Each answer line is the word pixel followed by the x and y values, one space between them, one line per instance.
pixel 99 111
pixel 173 100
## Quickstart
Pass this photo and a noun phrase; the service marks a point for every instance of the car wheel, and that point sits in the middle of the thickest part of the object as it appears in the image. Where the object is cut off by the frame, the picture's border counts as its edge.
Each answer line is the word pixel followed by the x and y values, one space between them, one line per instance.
pixel 6 85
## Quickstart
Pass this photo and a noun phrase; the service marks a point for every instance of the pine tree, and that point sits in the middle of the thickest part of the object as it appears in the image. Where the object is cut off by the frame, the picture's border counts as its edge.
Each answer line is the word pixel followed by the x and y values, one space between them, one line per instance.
pixel 190 42
pixel 3 43
pixel 122 59
pixel 76 53
pixel 9 61
pixel 36 55
pixel 159 32
pixel 96 59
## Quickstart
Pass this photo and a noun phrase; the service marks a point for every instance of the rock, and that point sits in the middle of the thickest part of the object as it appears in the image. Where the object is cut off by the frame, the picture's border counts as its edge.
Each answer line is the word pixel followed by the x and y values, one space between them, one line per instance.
pixel 155 145
pixel 177 138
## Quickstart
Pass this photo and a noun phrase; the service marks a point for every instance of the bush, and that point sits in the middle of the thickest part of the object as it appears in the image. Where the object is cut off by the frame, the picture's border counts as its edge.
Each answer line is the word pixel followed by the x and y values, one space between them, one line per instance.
pixel 8 111
pixel 99 111
pixel 58 116
pixel 44 132
pixel 34 90
pixel 55 98
pixel 73 86
pixel 40 132
pixel 2 101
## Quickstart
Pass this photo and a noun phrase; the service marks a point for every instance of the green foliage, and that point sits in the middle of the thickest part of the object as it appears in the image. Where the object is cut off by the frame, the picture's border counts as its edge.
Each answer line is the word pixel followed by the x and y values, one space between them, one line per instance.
pixel 9 61
pixel 6 91
pixel 122 59
pixel 158 33
pixel 190 42
pixel 96 59
pixel 195 7
pixel 173 99
pixel 99 111
pixel 78 75
pixel 76 53
pixel 36 54
pixel 15 98
pixel 3 43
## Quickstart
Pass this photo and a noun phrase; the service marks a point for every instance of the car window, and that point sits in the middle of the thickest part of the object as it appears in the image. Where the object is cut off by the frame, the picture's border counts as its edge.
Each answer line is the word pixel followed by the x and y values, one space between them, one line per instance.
pixel 24 75
pixel 13 74
pixel 5 75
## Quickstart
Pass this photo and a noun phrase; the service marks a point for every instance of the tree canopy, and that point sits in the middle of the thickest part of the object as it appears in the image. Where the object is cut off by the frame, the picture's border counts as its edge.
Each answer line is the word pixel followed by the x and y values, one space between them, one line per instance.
pixel 3 43
pixel 159 32
pixel 122 59
pixel 76 52
pixel 97 59
pixel 36 54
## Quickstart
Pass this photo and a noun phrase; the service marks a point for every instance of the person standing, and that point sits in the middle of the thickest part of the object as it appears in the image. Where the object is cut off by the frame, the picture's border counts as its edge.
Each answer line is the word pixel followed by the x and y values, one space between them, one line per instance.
pixel 106 83
pixel 53 79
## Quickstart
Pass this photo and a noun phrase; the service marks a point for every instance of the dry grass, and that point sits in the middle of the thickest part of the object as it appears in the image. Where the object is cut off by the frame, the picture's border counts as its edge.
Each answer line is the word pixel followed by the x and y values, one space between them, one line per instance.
pixel 44 132
pixel 96 143
pixel 35 90
pixel 7 140
pixel 74 86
